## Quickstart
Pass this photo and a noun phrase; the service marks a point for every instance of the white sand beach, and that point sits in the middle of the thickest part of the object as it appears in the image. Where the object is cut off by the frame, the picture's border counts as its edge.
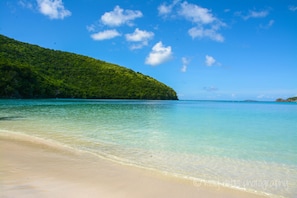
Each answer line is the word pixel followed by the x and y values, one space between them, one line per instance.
pixel 36 170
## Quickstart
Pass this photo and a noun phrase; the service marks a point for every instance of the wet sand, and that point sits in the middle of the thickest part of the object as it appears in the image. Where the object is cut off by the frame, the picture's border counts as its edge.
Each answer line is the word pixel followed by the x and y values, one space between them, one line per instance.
pixel 29 169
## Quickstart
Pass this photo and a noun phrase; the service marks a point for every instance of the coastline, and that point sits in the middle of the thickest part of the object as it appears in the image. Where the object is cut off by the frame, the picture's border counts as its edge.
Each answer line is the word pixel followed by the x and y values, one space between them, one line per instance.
pixel 34 169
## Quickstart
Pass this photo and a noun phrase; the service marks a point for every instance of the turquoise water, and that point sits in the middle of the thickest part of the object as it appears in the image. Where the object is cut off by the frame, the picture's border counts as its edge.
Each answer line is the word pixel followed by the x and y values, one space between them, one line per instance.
pixel 247 145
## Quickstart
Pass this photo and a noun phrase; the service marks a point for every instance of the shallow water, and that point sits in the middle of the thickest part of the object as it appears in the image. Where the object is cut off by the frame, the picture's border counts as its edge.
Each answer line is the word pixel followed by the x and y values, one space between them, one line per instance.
pixel 246 145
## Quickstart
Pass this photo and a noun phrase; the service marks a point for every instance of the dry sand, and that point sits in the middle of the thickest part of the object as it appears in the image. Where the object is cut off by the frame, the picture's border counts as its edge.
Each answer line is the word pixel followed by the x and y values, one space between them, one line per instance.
pixel 36 170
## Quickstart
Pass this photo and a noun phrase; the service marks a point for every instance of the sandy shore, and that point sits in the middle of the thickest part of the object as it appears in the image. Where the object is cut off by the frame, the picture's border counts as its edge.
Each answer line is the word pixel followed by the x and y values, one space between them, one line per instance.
pixel 35 170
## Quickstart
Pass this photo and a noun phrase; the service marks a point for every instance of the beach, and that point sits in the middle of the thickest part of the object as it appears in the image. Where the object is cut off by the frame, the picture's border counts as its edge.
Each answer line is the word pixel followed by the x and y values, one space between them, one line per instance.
pixel 103 148
pixel 30 169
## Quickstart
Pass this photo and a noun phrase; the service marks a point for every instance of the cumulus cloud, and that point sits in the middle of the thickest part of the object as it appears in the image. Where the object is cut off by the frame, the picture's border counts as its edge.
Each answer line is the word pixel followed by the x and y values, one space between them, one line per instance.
pixel 196 13
pixel 54 9
pixel 115 18
pixel 159 54
pixel 165 9
pixel 141 37
pixel 185 62
pixel 200 32
pixel 104 35
pixel 209 60
pixel 120 16
pixel 206 24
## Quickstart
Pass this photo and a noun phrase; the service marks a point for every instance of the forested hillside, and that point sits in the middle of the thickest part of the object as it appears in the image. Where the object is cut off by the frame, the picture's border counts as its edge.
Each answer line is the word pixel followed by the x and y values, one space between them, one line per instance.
pixel 292 99
pixel 30 71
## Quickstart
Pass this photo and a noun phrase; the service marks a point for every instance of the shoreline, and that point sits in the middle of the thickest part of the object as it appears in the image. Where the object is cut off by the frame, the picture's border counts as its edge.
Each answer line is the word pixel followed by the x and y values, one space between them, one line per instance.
pixel 33 169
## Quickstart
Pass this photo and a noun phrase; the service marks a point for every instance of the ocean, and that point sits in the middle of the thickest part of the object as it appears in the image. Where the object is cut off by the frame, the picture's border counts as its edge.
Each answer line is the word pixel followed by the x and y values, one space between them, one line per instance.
pixel 251 146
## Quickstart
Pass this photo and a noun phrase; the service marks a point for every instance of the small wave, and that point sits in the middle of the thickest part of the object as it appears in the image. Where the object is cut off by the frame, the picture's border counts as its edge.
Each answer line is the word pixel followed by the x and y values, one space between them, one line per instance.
pixel 10 118
pixel 58 146
pixel 49 143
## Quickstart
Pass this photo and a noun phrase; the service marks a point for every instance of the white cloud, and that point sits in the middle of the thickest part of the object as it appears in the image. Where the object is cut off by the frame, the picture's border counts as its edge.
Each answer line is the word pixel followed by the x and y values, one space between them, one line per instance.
pixel 261 14
pixel 292 8
pixel 184 68
pixel 104 35
pixel 91 28
pixel 209 60
pixel 159 54
pixel 54 9
pixel 210 33
pixel 120 16
pixel 206 24
pixel 185 62
pixel 196 13
pixel 139 36
pixel 255 14
pixel 165 9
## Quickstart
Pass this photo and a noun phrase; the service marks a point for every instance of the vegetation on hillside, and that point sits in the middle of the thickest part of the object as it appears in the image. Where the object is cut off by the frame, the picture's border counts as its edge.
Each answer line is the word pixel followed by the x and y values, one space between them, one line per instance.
pixel 30 71
pixel 292 99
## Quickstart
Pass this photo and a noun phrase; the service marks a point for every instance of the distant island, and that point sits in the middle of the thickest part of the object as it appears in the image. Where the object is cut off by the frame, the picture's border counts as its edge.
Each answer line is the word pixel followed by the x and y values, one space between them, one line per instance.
pixel 250 101
pixel 30 71
pixel 292 99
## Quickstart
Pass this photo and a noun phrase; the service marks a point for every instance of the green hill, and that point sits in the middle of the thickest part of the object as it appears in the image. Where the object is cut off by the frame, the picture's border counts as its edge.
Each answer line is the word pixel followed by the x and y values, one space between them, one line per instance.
pixel 292 99
pixel 30 71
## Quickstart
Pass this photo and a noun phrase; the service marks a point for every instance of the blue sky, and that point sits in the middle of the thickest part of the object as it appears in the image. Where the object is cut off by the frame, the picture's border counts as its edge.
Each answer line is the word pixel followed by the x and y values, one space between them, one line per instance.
pixel 231 50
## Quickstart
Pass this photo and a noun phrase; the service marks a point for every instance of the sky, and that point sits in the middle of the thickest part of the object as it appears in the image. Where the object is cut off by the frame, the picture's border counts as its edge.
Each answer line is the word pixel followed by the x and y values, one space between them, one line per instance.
pixel 203 49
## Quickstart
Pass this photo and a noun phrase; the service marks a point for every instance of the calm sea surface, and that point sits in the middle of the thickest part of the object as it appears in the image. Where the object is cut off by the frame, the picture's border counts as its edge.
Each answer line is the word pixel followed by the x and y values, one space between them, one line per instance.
pixel 247 145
